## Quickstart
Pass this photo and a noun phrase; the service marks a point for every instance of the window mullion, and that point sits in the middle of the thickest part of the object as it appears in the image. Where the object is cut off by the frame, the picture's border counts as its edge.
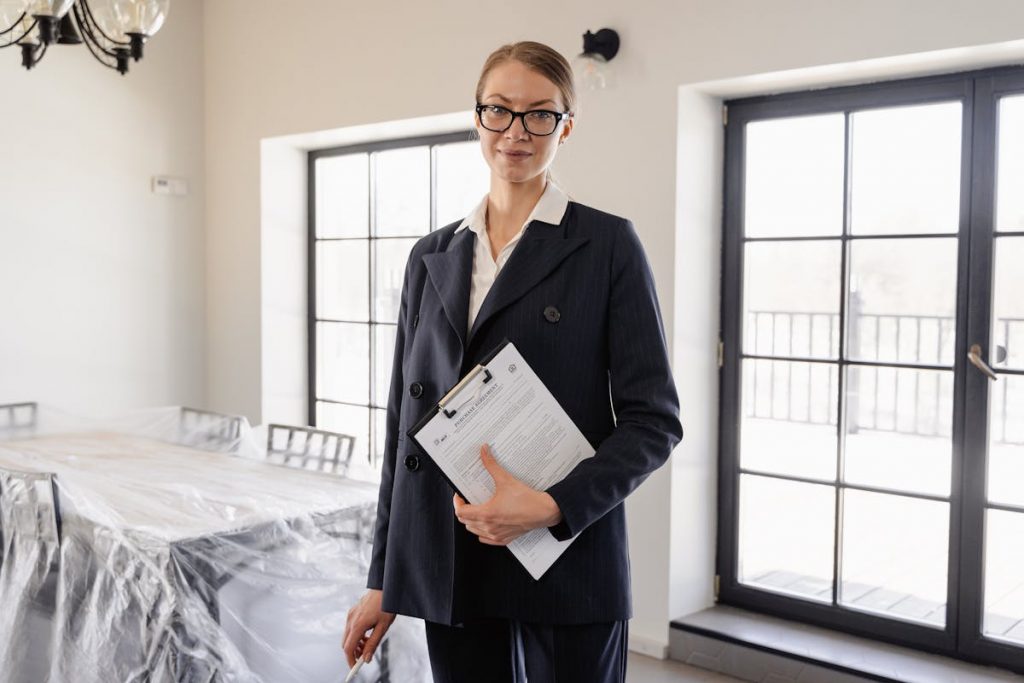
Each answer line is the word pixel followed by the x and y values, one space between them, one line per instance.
pixel 841 369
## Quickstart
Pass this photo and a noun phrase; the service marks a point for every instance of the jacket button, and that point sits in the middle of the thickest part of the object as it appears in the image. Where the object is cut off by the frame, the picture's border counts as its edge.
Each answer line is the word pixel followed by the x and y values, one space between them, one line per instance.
pixel 551 314
pixel 412 463
pixel 415 389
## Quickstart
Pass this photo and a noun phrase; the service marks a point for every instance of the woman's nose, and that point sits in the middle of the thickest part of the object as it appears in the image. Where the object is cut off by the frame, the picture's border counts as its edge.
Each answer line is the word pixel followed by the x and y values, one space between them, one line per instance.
pixel 518 128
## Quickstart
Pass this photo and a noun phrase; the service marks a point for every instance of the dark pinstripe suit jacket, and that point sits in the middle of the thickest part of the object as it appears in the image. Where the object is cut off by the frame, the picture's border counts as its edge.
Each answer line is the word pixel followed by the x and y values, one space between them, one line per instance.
pixel 604 352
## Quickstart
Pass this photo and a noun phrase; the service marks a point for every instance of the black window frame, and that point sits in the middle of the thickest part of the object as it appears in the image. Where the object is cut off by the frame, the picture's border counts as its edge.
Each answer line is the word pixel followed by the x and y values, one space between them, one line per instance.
pixel 431 141
pixel 978 91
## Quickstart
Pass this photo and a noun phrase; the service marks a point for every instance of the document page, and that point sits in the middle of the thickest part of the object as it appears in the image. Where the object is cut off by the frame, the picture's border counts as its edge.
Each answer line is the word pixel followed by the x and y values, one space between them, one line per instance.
pixel 528 433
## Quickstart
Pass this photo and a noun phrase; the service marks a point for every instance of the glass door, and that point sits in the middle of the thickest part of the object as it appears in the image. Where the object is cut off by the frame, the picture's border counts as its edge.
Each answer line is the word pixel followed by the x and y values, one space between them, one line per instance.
pixel 994 520
pixel 872 473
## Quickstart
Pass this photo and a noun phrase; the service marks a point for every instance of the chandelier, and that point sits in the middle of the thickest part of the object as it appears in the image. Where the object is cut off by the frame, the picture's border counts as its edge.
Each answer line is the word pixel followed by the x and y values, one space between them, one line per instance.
pixel 113 30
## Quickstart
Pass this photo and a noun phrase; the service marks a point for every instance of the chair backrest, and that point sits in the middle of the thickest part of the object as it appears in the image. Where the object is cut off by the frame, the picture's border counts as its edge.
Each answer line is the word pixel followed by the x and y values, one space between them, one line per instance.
pixel 29 505
pixel 209 430
pixel 310 449
pixel 18 419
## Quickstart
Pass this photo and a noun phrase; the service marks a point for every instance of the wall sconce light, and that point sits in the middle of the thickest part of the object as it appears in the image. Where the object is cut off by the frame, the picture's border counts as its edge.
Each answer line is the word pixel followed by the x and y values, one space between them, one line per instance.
pixel 591 66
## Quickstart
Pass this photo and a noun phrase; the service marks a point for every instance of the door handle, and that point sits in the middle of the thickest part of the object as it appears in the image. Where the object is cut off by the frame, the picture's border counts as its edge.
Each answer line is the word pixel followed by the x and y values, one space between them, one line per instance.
pixel 975 357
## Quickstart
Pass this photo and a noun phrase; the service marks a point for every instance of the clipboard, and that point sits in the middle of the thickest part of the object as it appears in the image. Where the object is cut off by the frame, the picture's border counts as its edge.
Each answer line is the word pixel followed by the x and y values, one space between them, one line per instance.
pixel 507 406
pixel 450 404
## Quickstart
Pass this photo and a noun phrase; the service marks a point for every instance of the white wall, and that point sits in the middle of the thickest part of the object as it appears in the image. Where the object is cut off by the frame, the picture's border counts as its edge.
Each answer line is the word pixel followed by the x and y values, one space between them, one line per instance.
pixel 102 283
pixel 276 68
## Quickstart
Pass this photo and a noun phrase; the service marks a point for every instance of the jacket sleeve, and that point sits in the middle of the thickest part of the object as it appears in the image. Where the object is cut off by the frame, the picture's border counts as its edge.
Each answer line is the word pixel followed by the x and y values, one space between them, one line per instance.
pixel 375 577
pixel 643 396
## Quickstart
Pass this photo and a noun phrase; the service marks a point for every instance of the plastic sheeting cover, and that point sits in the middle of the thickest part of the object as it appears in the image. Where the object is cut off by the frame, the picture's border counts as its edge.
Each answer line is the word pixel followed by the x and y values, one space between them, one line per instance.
pixel 160 546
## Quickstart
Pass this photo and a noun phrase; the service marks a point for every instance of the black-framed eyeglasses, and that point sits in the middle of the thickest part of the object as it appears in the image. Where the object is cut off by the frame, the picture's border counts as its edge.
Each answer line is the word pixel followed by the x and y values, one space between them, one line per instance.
pixel 498 119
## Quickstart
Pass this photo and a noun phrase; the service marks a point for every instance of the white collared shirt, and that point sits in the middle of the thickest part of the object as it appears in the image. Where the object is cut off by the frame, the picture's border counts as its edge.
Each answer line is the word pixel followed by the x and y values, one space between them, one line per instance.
pixel 550 208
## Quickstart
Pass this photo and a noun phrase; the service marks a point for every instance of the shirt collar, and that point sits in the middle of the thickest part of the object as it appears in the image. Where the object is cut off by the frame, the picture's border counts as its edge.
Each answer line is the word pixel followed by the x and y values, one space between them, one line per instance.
pixel 550 209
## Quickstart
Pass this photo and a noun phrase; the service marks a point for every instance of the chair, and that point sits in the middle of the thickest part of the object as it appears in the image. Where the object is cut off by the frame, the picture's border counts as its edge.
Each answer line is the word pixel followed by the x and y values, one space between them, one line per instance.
pixel 30 529
pixel 18 419
pixel 310 449
pixel 209 431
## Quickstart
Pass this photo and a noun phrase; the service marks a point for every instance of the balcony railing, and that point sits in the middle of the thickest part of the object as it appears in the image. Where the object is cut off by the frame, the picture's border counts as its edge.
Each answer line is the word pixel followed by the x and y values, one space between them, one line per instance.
pixel 902 400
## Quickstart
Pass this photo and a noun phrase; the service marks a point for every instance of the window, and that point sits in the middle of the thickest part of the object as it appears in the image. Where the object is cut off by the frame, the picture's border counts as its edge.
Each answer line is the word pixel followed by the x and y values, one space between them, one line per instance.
pixel 369 204
pixel 872 474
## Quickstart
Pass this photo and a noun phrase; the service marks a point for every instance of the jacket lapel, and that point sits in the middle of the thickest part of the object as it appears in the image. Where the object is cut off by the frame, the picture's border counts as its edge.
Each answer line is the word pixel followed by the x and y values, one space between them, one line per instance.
pixel 541 249
pixel 451 271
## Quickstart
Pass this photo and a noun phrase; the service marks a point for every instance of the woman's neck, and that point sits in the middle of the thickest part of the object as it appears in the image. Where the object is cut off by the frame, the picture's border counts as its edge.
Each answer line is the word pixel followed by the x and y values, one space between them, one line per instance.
pixel 510 204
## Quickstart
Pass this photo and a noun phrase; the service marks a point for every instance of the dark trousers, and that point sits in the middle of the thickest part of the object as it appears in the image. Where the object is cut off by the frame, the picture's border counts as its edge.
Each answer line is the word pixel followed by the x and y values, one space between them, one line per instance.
pixel 503 651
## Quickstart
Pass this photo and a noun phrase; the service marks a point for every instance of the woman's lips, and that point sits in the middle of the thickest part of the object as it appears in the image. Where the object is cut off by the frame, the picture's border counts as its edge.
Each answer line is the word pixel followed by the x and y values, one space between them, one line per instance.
pixel 516 155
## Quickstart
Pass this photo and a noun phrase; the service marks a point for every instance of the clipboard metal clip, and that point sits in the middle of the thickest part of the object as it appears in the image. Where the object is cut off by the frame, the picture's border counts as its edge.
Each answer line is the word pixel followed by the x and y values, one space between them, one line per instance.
pixel 443 403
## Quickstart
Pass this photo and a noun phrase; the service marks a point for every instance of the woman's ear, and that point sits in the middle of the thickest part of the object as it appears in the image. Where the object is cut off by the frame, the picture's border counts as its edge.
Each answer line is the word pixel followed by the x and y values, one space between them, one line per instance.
pixel 566 131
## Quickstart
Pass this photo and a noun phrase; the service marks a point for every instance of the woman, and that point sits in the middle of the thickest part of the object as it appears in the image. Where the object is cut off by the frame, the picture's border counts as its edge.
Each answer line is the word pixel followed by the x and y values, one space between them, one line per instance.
pixel 570 286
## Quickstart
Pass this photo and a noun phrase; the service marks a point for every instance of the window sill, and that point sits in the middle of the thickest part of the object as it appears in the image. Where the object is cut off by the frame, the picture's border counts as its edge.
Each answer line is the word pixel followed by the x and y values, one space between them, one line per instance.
pixel 758 647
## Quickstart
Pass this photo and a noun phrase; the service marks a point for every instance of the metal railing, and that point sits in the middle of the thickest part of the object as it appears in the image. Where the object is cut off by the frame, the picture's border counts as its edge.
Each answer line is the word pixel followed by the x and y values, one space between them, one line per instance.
pixel 892 399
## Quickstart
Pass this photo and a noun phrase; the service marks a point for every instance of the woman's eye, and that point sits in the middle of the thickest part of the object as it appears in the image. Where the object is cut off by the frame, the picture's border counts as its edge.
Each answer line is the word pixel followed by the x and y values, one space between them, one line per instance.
pixel 541 115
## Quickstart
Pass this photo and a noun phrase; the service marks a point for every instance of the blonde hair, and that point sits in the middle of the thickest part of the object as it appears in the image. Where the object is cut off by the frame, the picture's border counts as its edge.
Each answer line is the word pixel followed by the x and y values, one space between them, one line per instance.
pixel 545 60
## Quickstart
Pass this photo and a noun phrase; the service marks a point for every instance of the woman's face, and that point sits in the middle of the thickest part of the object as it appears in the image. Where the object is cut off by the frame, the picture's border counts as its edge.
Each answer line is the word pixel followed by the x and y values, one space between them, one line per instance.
pixel 516 155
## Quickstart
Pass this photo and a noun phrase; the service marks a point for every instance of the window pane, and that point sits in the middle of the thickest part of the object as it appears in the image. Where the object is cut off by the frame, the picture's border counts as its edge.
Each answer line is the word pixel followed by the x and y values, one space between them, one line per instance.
pixel 385 351
pixel 342 288
pixel 1008 317
pixel 462 180
pixel 902 300
pixel 342 196
pixel 789 418
pixel 898 425
pixel 343 362
pixel 1004 589
pixel 906 169
pixel 390 257
pixel 895 555
pixel 794 177
pixel 351 420
pixel 786 532
pixel 1010 178
pixel 1006 441
pixel 402 183
pixel 791 298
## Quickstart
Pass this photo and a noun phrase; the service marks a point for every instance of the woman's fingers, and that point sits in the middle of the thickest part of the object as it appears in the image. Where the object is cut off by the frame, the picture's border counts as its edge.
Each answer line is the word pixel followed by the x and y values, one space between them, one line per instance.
pixel 492 541
pixel 488 537
pixel 364 617
pixel 498 536
pixel 354 638
pixel 370 645
pixel 349 647
pixel 480 531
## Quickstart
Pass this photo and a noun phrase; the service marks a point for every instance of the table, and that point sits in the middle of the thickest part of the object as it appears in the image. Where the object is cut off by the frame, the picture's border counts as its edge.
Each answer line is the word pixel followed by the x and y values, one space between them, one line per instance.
pixel 153 535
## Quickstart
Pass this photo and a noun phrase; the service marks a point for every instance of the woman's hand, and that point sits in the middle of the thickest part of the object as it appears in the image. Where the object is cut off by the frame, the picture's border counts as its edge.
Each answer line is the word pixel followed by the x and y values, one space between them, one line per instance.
pixel 365 616
pixel 513 510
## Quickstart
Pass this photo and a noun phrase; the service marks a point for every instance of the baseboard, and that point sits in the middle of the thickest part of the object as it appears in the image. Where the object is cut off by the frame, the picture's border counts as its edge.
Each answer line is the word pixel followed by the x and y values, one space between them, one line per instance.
pixel 648 646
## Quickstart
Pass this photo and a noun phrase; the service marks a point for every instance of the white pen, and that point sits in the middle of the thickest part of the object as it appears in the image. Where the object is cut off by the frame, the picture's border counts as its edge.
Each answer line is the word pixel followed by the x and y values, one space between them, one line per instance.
pixel 355 670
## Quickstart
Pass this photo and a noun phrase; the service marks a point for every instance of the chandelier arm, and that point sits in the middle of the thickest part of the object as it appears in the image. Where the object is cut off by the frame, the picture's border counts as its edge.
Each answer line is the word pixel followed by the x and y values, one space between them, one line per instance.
pixel 23 35
pixel 14 25
pixel 95 54
pixel 89 38
pixel 88 12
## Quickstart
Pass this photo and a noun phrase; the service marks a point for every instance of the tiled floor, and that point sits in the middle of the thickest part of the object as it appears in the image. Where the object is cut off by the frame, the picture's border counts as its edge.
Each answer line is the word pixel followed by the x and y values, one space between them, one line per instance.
pixel 643 669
